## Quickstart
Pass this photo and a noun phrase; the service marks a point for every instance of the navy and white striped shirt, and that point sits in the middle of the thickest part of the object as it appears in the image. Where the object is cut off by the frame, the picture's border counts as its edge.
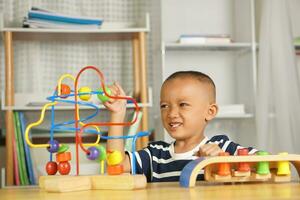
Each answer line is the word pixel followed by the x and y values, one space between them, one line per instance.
pixel 160 163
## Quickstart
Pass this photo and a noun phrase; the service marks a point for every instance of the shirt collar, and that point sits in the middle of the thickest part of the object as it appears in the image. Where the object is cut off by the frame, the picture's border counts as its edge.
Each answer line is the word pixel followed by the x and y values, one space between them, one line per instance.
pixel 189 154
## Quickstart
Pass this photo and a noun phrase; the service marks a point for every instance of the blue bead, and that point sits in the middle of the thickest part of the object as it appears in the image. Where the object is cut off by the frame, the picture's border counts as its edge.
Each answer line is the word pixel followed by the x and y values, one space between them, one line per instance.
pixel 54 145
pixel 93 153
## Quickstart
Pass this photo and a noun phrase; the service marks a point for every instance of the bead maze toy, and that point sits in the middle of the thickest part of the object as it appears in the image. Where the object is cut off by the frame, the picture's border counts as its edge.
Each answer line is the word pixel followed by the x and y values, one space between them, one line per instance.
pixel 114 178
pixel 241 168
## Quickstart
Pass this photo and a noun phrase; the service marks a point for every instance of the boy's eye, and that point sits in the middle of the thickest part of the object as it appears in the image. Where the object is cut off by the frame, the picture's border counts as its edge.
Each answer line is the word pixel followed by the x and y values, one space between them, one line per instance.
pixel 162 106
pixel 183 104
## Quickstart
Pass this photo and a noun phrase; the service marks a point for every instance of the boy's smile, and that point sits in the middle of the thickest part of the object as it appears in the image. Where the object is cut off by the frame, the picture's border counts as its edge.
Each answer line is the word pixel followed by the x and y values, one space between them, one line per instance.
pixel 185 108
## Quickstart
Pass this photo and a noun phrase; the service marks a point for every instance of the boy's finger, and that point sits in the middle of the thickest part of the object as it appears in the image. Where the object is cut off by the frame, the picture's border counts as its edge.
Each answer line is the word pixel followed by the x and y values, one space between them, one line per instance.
pixel 120 89
pixel 113 89
pixel 206 147
pixel 215 152
pixel 209 150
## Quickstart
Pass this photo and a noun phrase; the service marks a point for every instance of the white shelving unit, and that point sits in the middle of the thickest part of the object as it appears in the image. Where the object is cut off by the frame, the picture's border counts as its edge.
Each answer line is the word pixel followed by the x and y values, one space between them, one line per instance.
pixel 232 66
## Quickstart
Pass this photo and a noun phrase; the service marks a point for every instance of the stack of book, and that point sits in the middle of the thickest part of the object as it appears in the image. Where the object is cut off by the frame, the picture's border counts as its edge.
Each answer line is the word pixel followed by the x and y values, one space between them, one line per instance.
pixel 205 39
pixel 23 167
pixel 41 18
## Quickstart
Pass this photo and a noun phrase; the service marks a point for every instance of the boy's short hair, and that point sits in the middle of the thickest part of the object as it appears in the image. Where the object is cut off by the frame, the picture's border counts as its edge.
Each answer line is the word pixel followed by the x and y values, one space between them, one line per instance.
pixel 203 78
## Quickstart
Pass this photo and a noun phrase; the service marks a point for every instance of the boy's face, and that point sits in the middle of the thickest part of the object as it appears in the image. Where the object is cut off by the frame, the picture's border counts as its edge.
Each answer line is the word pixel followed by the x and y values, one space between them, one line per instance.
pixel 185 107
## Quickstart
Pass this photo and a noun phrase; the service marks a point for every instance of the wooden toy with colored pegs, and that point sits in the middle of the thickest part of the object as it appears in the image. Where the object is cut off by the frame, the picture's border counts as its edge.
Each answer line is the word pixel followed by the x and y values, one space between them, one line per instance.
pixel 114 178
pixel 242 168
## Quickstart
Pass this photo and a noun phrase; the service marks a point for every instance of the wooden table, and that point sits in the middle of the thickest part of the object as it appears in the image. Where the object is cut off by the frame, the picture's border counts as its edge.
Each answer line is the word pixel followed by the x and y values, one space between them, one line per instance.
pixel 170 191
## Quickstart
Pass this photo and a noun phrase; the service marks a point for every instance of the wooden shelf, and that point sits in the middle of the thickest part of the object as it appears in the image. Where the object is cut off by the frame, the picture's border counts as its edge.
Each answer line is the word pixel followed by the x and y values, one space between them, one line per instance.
pixel 111 30
pixel 41 101
pixel 142 26
pixel 36 108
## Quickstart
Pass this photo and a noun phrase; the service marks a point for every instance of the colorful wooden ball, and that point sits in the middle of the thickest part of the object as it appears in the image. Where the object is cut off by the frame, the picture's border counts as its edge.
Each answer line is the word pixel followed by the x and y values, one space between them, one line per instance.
pixel 114 157
pixel 85 97
pixel 51 168
pixel 115 169
pixel 102 152
pixel 65 90
pixel 102 97
pixel 64 168
pixel 93 153
pixel 62 157
pixel 54 146
pixel 62 148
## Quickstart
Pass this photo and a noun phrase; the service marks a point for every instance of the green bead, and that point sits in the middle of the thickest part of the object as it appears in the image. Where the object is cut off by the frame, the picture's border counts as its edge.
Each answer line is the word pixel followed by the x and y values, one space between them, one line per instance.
pixel 62 148
pixel 102 152
pixel 262 167
pixel 102 97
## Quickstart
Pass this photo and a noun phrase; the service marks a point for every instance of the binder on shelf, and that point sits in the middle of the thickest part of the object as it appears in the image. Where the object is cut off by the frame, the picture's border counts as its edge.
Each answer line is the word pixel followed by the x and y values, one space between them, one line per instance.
pixel 19 154
pixel 42 18
pixel 232 109
pixel 37 23
pixel 205 39
pixel 15 161
pixel 27 150
pixel 34 14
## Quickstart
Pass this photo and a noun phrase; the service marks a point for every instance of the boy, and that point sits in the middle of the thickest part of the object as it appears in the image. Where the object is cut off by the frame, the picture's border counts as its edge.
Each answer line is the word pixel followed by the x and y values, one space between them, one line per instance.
pixel 187 104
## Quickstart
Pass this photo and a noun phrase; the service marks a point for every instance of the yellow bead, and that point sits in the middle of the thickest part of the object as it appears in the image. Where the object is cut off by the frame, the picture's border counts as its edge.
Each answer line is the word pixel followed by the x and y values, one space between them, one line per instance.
pixel 85 97
pixel 283 167
pixel 114 158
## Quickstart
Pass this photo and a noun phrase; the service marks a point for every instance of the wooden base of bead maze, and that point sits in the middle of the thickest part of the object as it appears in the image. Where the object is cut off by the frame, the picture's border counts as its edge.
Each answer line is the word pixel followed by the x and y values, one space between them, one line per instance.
pixel 97 182
pixel 209 165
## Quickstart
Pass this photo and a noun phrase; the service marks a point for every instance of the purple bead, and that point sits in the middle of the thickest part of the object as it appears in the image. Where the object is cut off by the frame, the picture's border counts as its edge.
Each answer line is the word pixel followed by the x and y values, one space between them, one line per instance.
pixel 94 153
pixel 54 145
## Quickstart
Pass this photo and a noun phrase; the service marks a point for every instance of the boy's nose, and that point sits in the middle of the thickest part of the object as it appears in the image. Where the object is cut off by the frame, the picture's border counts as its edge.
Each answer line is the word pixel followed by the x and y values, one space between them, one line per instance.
pixel 173 113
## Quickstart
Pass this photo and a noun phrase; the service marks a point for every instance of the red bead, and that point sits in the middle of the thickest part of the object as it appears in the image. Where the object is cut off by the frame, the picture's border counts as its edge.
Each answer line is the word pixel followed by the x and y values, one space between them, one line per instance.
pixel 243 166
pixel 64 168
pixel 243 152
pixel 51 168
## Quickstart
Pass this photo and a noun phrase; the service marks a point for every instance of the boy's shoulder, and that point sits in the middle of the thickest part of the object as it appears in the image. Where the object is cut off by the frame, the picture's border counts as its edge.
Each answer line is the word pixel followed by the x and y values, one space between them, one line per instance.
pixel 218 138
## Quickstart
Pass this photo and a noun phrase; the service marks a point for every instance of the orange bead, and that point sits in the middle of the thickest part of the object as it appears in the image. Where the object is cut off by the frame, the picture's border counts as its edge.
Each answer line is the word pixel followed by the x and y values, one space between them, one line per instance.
pixel 243 166
pixel 115 169
pixel 65 90
pixel 224 168
pixel 63 157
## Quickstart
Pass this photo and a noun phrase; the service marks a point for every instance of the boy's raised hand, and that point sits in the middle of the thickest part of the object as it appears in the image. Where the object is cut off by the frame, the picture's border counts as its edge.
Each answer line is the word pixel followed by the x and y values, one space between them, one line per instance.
pixel 210 149
pixel 116 105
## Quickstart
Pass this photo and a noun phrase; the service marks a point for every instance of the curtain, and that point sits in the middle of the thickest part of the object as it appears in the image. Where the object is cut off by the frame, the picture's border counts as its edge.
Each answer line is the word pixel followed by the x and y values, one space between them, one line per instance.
pixel 278 89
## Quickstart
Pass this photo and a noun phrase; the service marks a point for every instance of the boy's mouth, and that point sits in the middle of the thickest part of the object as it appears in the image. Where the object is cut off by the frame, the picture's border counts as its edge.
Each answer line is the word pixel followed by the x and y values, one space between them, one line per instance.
pixel 175 125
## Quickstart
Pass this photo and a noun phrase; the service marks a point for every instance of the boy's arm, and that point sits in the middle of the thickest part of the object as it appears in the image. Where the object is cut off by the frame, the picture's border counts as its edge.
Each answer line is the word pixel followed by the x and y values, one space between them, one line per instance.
pixel 118 112
pixel 118 144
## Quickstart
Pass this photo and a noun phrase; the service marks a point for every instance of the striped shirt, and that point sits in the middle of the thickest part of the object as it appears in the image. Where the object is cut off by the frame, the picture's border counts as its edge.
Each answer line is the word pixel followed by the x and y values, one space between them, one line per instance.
pixel 160 163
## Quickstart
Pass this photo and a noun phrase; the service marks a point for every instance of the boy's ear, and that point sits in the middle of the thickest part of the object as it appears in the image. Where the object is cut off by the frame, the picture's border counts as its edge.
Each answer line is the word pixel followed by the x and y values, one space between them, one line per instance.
pixel 212 112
